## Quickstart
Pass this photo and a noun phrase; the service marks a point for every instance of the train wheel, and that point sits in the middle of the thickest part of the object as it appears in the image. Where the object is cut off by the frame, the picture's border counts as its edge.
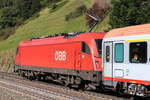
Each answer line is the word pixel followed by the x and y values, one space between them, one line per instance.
pixel 67 81
pixel 132 88
pixel 82 86
pixel 119 88
pixel 22 73
pixel 32 76
pixel 141 91
pixel 38 77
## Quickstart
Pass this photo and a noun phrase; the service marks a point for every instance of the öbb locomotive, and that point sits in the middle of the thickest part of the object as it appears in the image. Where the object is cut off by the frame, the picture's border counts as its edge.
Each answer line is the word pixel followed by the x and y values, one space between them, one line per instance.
pixel 116 60
pixel 74 59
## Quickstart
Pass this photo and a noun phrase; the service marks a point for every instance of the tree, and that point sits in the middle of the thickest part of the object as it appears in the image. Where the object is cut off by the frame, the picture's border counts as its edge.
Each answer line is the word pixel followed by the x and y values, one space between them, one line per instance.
pixel 129 12
pixel 6 3
pixel 27 7
pixel 8 17
pixel 14 13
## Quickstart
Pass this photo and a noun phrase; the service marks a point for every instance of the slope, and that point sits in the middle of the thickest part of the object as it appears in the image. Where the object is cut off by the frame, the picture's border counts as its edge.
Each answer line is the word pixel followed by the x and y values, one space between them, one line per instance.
pixel 48 23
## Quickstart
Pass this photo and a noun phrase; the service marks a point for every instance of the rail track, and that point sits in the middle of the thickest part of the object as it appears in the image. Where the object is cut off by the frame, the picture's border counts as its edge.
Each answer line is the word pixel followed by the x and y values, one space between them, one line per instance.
pixel 50 91
pixel 34 92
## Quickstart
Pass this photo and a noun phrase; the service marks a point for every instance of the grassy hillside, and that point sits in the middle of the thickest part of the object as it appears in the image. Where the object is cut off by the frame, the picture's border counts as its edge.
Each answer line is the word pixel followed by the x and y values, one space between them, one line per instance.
pixel 49 22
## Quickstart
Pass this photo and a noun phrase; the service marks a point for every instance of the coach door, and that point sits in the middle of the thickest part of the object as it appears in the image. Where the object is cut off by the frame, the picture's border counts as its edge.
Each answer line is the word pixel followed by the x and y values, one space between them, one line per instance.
pixel 108 63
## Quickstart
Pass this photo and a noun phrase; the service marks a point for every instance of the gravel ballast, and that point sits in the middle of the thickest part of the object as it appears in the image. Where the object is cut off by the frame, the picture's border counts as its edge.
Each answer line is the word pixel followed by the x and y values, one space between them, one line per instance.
pixel 8 94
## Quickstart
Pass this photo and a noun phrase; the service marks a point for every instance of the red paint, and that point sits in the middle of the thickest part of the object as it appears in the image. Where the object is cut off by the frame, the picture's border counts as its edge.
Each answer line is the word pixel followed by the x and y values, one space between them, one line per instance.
pixel 127 80
pixel 42 52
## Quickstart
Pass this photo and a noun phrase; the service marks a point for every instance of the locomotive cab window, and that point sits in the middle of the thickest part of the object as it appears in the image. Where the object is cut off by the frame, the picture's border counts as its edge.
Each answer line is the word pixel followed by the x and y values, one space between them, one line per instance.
pixel 138 52
pixel 119 52
pixel 99 46
pixel 85 48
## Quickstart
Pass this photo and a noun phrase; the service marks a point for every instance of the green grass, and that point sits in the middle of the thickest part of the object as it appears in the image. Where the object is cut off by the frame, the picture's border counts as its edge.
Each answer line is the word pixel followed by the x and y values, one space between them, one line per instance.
pixel 103 26
pixel 87 3
pixel 58 6
pixel 51 23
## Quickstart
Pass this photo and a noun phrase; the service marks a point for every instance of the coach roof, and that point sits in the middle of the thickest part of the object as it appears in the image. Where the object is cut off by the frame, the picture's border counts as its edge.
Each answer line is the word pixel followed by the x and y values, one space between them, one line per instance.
pixel 129 31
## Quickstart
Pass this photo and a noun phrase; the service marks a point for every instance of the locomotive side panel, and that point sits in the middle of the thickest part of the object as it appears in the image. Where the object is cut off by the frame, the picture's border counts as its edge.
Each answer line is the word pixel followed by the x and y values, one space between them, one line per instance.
pixel 50 56
pixel 67 59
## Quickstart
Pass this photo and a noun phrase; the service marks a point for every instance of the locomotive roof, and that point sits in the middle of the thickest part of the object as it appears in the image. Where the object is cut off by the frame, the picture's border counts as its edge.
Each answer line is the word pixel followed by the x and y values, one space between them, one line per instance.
pixel 62 39
pixel 129 31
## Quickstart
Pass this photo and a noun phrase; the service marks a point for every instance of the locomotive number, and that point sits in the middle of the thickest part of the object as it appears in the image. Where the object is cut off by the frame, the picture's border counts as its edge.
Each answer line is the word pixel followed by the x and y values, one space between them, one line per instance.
pixel 60 55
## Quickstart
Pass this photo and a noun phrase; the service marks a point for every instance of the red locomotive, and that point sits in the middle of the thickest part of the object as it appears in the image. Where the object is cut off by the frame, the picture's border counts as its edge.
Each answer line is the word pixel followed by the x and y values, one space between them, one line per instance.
pixel 73 59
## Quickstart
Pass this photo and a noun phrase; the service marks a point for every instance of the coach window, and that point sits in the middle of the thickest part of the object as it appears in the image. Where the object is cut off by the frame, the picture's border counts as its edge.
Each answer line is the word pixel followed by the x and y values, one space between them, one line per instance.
pixel 138 52
pixel 119 52
pixel 85 48
pixel 107 53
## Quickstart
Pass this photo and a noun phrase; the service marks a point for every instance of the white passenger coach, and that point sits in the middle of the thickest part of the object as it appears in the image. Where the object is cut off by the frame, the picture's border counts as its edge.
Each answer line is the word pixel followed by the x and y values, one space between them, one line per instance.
pixel 126 59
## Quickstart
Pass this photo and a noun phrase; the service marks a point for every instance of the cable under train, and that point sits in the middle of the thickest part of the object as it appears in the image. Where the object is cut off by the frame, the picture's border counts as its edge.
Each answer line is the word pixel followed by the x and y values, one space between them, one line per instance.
pixel 118 60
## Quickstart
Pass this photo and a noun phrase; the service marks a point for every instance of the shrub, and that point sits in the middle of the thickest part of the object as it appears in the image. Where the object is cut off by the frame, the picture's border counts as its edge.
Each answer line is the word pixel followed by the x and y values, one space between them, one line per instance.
pixel 54 7
pixel 78 12
pixel 5 33
pixel 48 3
pixel 8 17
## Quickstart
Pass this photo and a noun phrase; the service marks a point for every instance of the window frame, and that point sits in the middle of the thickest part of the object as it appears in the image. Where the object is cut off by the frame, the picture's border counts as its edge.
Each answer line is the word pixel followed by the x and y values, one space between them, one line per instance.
pixel 99 53
pixel 107 53
pixel 116 53
pixel 83 43
pixel 130 60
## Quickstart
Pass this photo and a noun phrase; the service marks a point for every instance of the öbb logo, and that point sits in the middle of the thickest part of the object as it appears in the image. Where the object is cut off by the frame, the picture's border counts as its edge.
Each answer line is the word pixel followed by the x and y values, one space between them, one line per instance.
pixel 60 55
